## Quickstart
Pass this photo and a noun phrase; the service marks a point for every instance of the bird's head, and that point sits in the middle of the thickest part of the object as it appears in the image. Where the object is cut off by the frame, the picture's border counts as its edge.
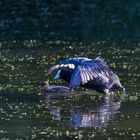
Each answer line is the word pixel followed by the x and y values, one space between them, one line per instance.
pixel 43 85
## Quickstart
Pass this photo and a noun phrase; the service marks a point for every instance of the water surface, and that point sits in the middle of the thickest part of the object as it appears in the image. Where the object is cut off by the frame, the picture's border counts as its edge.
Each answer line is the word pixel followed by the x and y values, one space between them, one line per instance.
pixel 25 115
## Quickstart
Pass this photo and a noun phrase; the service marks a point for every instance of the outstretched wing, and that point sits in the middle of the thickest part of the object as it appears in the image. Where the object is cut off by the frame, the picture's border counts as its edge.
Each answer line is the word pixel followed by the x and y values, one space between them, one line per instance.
pixel 88 70
pixel 84 70
pixel 70 63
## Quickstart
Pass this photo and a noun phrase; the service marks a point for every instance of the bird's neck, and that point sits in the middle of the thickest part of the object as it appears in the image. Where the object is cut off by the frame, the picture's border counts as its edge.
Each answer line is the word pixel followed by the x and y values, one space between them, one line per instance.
pixel 46 87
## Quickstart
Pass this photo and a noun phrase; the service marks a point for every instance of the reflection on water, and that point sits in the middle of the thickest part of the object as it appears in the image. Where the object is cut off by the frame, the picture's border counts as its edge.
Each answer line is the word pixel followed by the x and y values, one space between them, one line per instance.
pixel 98 117
pixel 99 114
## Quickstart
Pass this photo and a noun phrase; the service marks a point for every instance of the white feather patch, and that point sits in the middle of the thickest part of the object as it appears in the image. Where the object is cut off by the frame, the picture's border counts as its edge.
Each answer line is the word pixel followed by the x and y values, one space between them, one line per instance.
pixel 71 66
pixel 62 65
pixel 57 66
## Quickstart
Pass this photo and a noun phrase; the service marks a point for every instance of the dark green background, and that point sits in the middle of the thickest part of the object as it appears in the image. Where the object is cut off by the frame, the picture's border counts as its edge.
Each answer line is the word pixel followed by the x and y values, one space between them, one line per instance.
pixel 70 20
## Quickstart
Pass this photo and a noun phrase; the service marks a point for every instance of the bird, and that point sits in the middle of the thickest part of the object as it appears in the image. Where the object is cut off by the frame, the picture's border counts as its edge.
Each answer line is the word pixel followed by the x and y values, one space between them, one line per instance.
pixel 51 90
pixel 89 73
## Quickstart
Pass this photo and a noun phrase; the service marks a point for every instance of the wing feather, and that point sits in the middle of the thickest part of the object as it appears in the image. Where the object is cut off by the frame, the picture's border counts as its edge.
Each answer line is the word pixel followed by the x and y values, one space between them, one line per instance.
pixel 85 69
pixel 90 75
pixel 85 77
pixel 82 77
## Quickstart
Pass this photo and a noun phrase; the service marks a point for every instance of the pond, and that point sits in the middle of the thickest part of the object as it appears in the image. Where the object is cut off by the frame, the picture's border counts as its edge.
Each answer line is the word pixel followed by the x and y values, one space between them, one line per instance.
pixel 25 115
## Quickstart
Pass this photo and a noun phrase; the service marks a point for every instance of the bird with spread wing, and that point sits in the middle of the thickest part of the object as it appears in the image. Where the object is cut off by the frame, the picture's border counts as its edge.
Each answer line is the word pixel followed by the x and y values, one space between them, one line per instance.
pixel 90 73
